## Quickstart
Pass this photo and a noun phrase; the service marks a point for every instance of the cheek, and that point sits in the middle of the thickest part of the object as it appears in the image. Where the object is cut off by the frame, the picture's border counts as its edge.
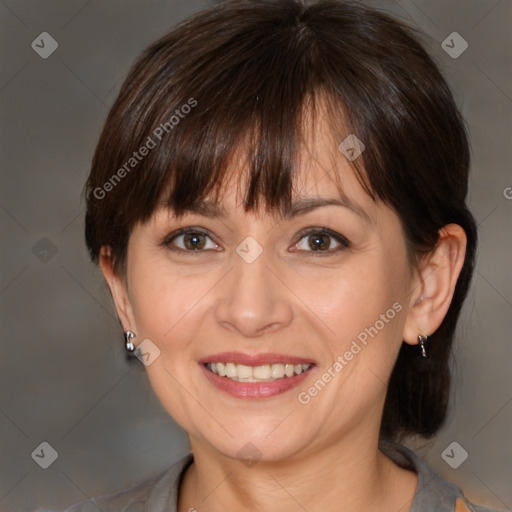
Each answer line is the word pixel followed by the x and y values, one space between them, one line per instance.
pixel 353 297
pixel 364 311
pixel 166 306
pixel 165 301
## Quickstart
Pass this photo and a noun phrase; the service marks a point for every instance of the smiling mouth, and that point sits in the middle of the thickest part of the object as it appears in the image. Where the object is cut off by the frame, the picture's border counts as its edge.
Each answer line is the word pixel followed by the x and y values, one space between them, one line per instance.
pixel 263 373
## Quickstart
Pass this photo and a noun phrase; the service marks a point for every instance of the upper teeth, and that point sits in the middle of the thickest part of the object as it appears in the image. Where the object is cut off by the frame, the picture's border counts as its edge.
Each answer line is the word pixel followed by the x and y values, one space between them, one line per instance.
pixel 269 372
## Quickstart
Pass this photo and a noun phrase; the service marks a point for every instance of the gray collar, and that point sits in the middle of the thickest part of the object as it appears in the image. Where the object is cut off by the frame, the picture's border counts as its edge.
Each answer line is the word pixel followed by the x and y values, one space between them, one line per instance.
pixel 432 493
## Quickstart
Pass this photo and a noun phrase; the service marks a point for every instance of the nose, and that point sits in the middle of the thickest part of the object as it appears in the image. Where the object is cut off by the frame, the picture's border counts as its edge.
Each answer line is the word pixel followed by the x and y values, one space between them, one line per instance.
pixel 253 299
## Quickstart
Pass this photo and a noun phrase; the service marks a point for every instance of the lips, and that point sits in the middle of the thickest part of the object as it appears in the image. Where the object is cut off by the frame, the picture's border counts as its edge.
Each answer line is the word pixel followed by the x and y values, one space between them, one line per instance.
pixel 254 359
pixel 255 376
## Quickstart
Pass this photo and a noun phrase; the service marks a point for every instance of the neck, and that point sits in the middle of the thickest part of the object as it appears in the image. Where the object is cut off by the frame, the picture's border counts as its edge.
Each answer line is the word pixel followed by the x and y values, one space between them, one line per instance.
pixel 350 475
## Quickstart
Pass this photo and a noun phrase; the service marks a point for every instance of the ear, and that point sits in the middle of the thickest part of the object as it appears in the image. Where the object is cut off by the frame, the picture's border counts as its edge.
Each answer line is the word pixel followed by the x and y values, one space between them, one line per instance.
pixel 434 285
pixel 118 289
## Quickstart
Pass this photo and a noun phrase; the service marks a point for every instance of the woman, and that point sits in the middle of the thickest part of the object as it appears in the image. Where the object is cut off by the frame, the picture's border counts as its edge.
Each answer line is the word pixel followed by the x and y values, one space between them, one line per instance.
pixel 277 203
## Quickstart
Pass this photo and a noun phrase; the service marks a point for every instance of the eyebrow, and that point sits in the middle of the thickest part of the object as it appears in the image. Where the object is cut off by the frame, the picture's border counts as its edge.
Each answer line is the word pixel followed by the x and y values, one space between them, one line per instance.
pixel 307 204
pixel 301 206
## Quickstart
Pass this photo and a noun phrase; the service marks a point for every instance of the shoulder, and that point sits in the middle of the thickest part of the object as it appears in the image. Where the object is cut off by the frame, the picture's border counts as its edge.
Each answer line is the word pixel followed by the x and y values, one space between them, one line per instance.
pixel 433 492
pixel 157 493
pixel 464 505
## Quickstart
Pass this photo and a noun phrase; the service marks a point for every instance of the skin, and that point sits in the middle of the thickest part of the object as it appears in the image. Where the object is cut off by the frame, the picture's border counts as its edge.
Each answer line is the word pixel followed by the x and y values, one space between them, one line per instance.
pixel 319 456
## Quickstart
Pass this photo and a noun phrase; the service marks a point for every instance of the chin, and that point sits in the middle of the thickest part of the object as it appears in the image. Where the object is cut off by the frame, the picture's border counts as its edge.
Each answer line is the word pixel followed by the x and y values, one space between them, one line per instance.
pixel 256 440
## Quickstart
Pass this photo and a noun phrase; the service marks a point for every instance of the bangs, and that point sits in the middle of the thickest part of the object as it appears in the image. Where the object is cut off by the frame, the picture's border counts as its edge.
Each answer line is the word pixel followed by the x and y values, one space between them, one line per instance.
pixel 261 157
pixel 257 113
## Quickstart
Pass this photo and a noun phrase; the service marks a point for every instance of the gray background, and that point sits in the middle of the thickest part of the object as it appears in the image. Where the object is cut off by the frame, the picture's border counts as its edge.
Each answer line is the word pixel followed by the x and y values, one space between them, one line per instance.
pixel 64 376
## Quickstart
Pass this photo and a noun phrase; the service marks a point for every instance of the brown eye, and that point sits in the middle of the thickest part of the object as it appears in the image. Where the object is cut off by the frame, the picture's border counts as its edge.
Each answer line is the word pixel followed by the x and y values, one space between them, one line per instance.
pixel 190 240
pixel 193 241
pixel 321 240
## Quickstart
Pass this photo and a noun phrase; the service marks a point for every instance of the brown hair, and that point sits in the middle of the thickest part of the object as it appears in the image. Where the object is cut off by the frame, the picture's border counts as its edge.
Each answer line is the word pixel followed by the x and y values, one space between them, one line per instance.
pixel 240 75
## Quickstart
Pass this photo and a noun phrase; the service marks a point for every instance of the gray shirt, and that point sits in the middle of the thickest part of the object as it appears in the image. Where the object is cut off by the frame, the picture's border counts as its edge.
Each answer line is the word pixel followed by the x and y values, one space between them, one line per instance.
pixel 160 492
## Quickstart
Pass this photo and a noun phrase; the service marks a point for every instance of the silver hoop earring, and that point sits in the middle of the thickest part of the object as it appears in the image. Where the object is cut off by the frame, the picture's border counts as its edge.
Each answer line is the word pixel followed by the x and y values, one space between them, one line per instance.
pixel 422 340
pixel 128 335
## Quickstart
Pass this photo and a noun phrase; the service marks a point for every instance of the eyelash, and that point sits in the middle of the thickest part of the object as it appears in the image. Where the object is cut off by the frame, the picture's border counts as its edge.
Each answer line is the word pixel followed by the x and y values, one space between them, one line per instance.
pixel 344 242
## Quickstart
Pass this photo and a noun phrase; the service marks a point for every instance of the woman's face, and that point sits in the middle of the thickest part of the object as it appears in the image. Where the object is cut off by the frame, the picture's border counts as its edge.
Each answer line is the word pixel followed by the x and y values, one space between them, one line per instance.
pixel 328 287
